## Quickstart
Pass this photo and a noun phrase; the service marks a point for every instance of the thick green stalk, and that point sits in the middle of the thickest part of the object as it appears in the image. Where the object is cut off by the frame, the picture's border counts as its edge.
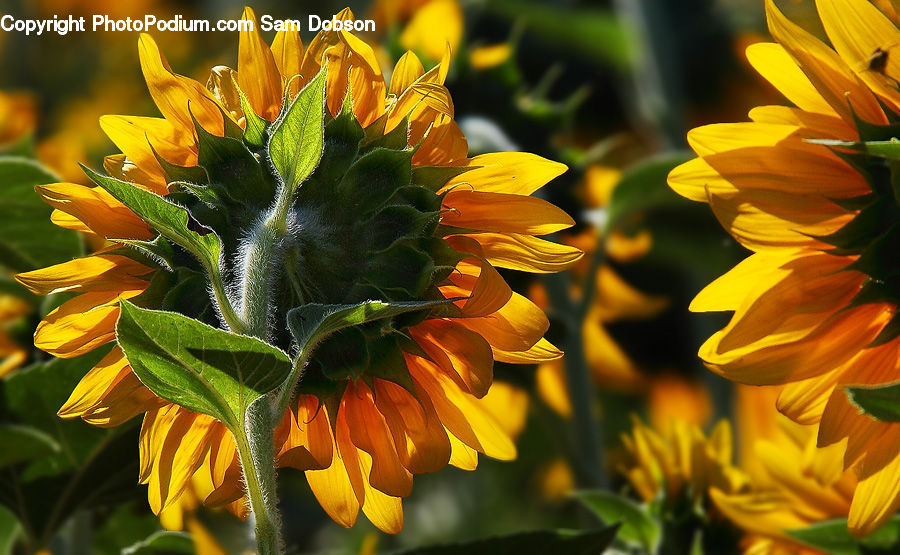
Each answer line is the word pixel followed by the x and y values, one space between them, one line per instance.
pixel 257 455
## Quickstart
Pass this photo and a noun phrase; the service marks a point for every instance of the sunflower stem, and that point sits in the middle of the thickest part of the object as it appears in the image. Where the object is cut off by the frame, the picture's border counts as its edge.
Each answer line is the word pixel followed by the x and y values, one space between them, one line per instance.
pixel 588 457
pixel 257 454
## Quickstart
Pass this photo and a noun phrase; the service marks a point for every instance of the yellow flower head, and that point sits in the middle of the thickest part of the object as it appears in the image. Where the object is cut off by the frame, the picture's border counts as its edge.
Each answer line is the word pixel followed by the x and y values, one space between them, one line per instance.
pixel 680 462
pixel 814 305
pixel 794 484
pixel 395 211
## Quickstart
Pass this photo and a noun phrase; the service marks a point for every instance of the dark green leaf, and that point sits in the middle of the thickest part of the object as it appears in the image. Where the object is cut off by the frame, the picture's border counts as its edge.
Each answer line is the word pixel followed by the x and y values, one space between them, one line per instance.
pixel 255 130
pixel 879 402
pixel 540 542
pixel 643 187
pixel 28 239
pixel 636 525
pixel 297 139
pixel 197 366
pixel 94 467
pixel 22 443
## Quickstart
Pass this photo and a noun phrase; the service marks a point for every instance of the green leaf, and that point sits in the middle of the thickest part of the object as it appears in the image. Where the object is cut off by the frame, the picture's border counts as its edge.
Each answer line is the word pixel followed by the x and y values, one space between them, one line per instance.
pixel 170 220
pixel 163 542
pixel 879 402
pixel 643 187
pixel 539 542
pixel 22 443
pixel 636 526
pixel 28 239
pixel 197 366
pixel 255 131
pixel 9 531
pixel 832 536
pixel 311 323
pixel 297 139
pixel 93 467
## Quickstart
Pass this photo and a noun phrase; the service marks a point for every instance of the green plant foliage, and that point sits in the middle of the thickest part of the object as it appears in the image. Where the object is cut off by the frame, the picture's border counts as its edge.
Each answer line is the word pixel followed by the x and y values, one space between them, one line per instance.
pixel 642 188
pixel 831 536
pixel 28 240
pixel 197 366
pixel 91 467
pixel 636 526
pixel 879 402
pixel 297 138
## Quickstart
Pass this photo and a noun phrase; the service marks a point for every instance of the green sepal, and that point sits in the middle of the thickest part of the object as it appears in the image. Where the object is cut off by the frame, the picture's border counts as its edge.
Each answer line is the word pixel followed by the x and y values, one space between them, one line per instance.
pixel 888 149
pixel 889 332
pixel 402 270
pixel 155 253
pixel 233 170
pixel 255 126
pixel 174 172
pixel 856 234
pixel 344 354
pixel 397 222
pixel 881 402
pixel 387 362
pixel 199 367
pixel 434 178
pixel 373 179
pixel 396 139
pixel 855 203
pixel 879 259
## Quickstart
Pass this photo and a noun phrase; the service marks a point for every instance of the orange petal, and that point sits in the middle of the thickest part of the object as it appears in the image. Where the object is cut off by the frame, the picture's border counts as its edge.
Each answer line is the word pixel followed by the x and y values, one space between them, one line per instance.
pixel 416 428
pixel 99 272
pixel 97 209
pixel 369 432
pixel 461 354
pixel 258 74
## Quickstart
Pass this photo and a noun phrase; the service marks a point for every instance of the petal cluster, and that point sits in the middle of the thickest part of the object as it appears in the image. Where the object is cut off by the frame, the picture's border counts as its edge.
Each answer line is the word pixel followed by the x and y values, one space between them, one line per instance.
pixel 810 308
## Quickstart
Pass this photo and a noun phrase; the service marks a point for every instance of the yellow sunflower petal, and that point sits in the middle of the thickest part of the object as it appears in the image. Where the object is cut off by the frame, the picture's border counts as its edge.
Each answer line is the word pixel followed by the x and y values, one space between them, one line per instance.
pixel 857 29
pixel 258 74
pixel 502 212
pixel 828 73
pixel 519 173
pixel 287 48
pixel 407 70
pixel 773 62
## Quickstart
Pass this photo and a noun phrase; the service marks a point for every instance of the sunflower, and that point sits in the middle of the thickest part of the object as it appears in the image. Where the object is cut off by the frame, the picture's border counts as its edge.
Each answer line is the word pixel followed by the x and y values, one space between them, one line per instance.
pixel 794 484
pixel 815 303
pixel 395 211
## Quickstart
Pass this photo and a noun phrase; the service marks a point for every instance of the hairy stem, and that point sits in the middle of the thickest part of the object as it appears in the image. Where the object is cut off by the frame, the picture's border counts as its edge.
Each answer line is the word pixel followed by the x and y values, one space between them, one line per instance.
pixel 257 455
